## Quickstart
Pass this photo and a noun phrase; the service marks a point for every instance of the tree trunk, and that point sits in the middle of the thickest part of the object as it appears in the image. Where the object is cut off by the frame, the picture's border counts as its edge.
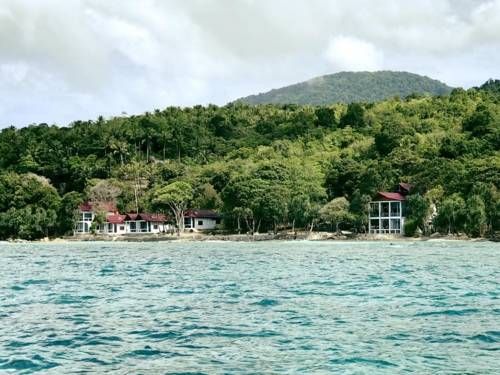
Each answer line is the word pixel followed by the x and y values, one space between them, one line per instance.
pixel 136 198
pixel 179 219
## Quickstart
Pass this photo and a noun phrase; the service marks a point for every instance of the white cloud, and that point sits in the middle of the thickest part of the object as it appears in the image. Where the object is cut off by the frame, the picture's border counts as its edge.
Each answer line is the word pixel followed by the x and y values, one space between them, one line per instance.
pixel 64 60
pixel 348 53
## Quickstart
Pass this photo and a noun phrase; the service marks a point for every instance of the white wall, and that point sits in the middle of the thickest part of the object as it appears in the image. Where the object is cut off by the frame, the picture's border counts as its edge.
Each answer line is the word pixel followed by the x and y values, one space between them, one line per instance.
pixel 204 223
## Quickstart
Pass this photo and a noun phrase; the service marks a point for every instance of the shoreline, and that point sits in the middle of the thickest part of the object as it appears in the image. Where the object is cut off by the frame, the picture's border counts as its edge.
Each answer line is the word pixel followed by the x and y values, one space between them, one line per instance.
pixel 202 237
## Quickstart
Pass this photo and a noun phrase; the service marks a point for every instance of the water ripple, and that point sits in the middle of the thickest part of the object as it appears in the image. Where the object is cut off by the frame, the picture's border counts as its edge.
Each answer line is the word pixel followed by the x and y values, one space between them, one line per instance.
pixel 274 307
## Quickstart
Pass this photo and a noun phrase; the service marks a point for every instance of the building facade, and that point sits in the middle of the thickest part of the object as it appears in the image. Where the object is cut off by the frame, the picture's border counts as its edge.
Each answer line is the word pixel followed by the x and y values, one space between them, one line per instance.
pixel 197 220
pixel 388 211
pixel 115 223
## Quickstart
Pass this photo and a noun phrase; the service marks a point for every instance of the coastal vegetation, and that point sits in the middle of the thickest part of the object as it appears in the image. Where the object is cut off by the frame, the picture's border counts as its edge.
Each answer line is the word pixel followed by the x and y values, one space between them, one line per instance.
pixel 264 168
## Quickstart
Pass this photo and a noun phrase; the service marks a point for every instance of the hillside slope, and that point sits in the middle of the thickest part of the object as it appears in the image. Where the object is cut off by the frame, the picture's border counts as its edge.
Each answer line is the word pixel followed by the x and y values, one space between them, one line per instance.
pixel 348 87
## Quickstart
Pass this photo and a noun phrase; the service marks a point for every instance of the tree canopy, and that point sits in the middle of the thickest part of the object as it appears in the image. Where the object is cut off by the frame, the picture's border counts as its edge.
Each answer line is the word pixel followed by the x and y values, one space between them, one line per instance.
pixel 263 167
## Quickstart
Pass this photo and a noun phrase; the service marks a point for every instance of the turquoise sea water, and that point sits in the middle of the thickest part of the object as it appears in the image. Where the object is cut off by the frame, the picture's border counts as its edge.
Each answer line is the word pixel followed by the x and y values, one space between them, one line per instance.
pixel 273 307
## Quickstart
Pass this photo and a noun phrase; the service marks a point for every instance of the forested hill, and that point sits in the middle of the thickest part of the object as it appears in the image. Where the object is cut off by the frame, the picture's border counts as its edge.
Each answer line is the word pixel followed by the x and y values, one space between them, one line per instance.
pixel 264 167
pixel 350 87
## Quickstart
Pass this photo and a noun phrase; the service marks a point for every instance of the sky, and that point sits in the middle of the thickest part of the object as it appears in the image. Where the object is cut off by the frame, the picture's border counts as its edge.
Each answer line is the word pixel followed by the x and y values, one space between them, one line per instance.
pixel 66 60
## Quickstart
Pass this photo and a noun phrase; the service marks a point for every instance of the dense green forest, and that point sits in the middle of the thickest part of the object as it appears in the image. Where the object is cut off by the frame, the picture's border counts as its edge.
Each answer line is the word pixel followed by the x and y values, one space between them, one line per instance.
pixel 266 167
pixel 351 87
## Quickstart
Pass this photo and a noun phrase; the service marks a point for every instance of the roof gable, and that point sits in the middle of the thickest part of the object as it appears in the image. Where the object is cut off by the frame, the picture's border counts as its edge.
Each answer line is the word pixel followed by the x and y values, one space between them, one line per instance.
pixel 390 196
pixel 207 214
pixel 116 219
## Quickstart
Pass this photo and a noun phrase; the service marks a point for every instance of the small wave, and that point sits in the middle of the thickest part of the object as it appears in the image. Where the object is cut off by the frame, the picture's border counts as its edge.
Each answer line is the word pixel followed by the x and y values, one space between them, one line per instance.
pixel 398 336
pixel 307 293
pixel 35 282
pixel 148 351
pixel 360 360
pixel 399 283
pixel 320 282
pixel 17 288
pixel 448 312
pixel 95 361
pixel 181 291
pixel 156 335
pixel 234 334
pixel 36 363
pixel 266 302
pixel 18 344
pixel 490 337
pixel 445 338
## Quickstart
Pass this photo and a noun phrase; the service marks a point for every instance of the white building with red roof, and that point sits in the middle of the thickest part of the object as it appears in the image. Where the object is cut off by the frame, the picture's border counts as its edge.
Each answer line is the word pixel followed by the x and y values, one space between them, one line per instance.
pixel 196 220
pixel 115 223
pixel 387 211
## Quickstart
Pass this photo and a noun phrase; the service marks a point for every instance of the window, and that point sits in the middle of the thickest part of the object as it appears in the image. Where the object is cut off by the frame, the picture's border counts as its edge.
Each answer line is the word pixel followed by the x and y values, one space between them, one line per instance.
pixel 144 226
pixel 395 208
pixel 200 222
pixel 374 224
pixel 385 225
pixel 395 225
pixel 187 222
pixel 385 209
pixel 87 216
pixel 132 226
pixel 155 226
pixel 122 228
pixel 374 209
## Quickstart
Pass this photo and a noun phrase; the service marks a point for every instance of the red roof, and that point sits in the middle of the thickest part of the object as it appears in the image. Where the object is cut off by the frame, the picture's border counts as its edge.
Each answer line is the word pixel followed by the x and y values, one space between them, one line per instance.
pixel 132 217
pixel 209 214
pixel 404 187
pixel 156 218
pixel 391 196
pixel 104 206
pixel 116 219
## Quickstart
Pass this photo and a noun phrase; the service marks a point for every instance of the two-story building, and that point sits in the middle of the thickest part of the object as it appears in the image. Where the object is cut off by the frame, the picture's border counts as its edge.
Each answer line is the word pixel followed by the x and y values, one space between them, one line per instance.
pixel 87 213
pixel 388 211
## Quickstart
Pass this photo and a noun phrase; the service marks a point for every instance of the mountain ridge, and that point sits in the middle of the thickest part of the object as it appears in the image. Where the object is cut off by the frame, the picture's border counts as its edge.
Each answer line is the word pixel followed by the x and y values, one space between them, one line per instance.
pixel 349 87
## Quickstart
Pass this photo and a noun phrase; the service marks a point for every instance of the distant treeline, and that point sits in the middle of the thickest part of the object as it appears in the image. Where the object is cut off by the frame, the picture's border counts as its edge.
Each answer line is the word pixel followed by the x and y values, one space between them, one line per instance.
pixel 265 167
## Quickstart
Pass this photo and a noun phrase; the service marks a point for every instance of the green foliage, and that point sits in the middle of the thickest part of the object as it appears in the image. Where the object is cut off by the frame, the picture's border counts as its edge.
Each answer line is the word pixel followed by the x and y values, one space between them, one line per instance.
pixel 451 214
pixel 354 117
pixel 410 227
pixel 349 87
pixel 68 212
pixel 176 197
pixel 265 167
pixel 28 206
pixel 476 216
pixel 418 210
pixel 335 213
pixel 492 86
